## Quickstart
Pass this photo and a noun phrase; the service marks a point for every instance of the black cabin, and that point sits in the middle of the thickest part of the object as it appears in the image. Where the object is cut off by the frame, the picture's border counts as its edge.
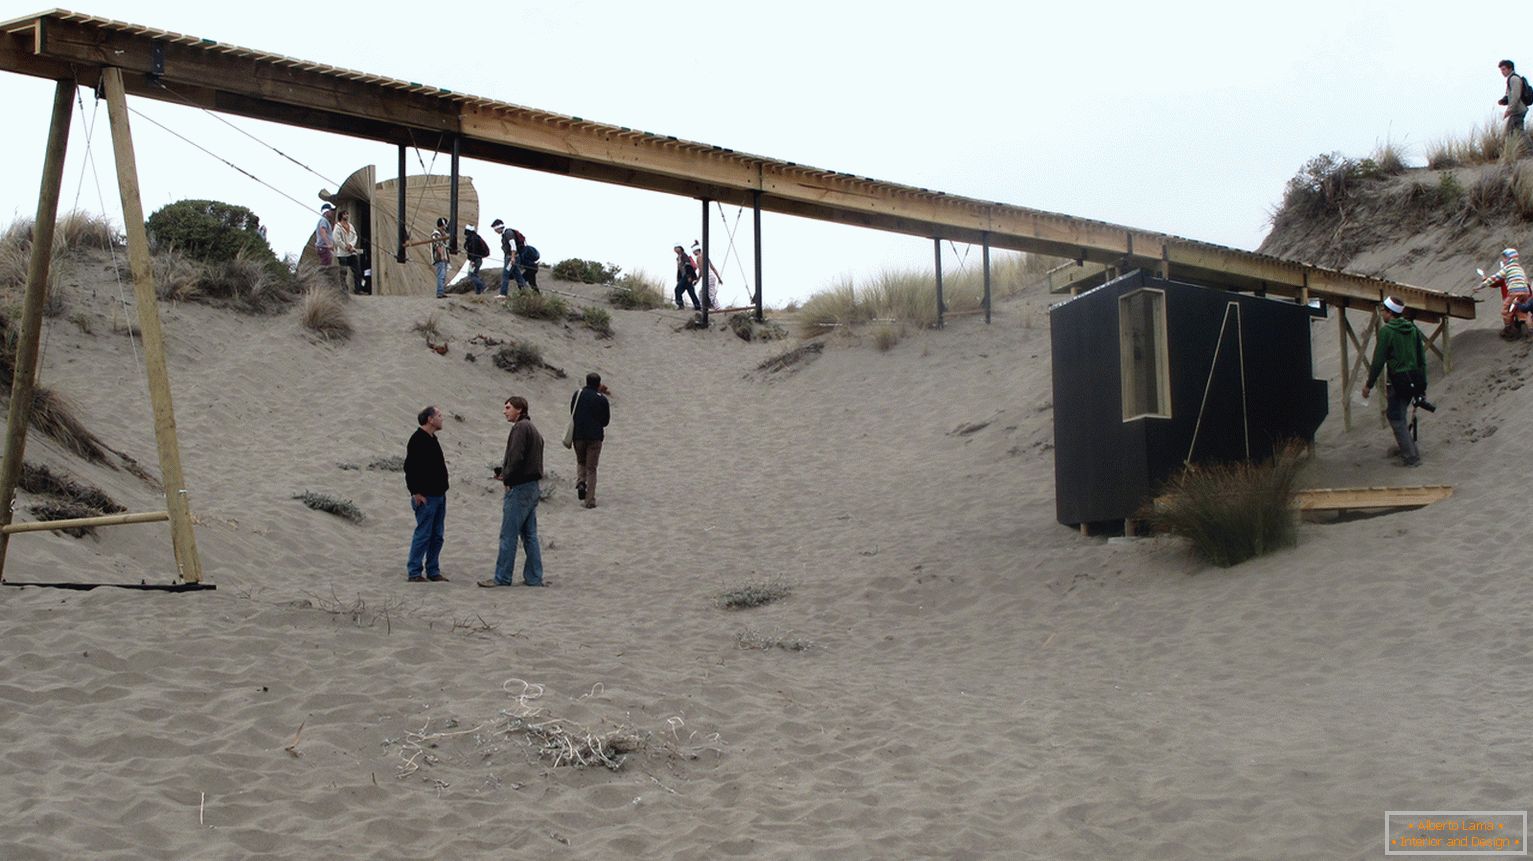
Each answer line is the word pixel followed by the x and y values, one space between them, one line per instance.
pixel 1150 374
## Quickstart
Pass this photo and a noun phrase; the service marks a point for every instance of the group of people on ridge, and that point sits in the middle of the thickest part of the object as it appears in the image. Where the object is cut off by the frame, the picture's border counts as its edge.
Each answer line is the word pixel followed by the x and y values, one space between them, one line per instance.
pixel 519 474
pixel 336 241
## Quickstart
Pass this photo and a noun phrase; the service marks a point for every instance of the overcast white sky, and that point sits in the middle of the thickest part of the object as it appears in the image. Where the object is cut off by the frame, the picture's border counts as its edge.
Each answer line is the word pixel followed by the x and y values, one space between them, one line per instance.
pixel 1182 117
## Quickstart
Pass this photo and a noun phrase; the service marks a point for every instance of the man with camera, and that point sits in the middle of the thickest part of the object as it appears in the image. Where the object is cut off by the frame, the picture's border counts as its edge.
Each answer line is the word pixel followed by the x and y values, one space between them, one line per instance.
pixel 1400 347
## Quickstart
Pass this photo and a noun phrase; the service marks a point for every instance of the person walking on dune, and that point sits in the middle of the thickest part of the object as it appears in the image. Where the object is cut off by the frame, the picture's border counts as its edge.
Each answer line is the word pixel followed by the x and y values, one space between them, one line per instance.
pixel 686 276
pixel 589 413
pixel 520 471
pixel 426 479
pixel 714 279
pixel 1399 347
pixel 1516 99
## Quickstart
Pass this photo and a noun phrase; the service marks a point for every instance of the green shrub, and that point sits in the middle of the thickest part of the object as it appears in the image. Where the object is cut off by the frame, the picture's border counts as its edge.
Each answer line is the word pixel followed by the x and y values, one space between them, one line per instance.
pixel 586 271
pixel 537 306
pixel 1233 512
pixel 597 320
pixel 1324 183
pixel 209 230
pixel 518 356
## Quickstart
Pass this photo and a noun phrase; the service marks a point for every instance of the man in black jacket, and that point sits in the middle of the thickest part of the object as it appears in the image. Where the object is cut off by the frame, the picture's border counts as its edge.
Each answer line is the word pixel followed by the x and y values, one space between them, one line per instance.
pixel 589 412
pixel 520 471
pixel 426 479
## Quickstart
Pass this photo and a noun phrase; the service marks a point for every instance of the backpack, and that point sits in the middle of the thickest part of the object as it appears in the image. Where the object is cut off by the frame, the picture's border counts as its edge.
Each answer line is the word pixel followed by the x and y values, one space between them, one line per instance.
pixel 1527 91
pixel 530 256
pixel 691 271
pixel 476 246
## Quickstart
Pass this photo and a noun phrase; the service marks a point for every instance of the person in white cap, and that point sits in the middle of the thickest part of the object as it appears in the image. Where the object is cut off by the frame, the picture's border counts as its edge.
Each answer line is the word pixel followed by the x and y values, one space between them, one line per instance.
pixel 324 245
pixel 1516 297
pixel 1400 348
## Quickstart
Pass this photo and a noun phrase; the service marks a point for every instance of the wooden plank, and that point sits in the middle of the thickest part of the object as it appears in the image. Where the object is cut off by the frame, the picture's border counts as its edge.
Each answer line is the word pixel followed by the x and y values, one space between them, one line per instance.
pixel 1330 499
pixel 24 377
pixel 182 539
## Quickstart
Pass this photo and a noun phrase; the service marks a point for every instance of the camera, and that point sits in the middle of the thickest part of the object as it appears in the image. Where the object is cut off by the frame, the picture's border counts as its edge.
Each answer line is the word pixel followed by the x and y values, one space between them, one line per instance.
pixel 1425 404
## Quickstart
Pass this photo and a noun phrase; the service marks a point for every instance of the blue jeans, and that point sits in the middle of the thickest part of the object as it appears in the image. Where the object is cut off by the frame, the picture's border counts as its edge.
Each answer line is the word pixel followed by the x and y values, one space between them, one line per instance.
pixel 426 543
pixel 473 277
pixel 519 517
pixel 509 271
pixel 441 278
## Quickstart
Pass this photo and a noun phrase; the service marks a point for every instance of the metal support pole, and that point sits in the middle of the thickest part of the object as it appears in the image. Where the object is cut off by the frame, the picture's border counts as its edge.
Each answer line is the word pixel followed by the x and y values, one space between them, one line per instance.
pixel 985 240
pixel 756 212
pixel 23 383
pixel 181 537
pixel 702 270
pixel 400 215
pixel 452 202
pixel 937 251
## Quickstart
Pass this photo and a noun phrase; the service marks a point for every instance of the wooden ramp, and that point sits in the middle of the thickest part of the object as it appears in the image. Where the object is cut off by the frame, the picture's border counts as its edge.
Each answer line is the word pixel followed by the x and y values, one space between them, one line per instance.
pixel 1362 498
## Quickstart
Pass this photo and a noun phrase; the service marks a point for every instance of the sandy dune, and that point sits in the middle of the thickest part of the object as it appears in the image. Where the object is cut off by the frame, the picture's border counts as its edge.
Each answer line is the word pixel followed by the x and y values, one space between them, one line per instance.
pixel 982 682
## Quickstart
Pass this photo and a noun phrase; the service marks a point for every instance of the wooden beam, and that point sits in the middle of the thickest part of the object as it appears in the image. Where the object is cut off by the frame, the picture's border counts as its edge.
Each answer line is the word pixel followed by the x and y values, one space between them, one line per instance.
pixel 85 522
pixel 23 382
pixel 183 541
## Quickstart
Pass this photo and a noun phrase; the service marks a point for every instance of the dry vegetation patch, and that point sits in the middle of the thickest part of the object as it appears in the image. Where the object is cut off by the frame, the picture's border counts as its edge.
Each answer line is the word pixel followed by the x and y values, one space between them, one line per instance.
pixel 754 593
pixel 343 508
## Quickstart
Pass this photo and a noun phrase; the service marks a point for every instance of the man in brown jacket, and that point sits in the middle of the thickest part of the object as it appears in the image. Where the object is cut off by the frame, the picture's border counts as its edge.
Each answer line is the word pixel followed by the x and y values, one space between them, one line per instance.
pixel 520 471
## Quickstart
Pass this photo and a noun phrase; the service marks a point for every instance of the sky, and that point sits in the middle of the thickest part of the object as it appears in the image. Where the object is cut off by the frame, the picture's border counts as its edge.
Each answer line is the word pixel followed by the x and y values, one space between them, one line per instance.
pixel 1180 117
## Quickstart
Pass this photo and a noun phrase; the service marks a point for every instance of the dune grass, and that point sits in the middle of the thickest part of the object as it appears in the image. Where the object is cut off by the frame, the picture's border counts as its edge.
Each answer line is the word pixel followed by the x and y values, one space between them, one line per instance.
pixel 1233 512
pixel 324 313
pixel 637 290
pixel 910 296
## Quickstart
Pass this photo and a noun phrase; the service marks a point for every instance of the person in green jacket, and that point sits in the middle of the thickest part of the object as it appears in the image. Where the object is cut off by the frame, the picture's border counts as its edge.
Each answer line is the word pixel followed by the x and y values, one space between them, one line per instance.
pixel 1399 347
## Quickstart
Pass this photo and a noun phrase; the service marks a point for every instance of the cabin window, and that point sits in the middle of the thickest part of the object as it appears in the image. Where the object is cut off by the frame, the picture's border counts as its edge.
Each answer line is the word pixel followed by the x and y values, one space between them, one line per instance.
pixel 1146 372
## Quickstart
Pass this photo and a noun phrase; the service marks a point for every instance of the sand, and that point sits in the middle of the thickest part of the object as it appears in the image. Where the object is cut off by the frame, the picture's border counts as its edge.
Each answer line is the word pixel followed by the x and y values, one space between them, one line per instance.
pixel 979 682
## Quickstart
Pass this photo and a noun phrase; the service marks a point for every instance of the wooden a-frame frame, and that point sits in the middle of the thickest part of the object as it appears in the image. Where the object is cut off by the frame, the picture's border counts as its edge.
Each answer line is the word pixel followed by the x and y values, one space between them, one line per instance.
pixel 183 541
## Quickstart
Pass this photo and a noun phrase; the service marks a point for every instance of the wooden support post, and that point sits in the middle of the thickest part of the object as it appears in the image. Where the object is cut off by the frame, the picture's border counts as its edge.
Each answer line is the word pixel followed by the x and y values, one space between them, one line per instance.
pixel 183 541
pixel 1304 291
pixel 756 213
pixel 23 384
pixel 702 269
pixel 400 215
pixel 941 308
pixel 1447 346
pixel 1344 329
pixel 985 254
pixel 452 202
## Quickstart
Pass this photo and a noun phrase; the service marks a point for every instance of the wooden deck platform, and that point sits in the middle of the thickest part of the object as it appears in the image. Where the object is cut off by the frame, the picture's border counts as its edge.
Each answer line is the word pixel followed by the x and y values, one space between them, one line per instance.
pixel 1357 498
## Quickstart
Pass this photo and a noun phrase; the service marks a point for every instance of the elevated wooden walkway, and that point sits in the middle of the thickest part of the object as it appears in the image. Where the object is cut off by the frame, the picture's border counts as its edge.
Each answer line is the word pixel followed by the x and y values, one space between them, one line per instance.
pixel 171 67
